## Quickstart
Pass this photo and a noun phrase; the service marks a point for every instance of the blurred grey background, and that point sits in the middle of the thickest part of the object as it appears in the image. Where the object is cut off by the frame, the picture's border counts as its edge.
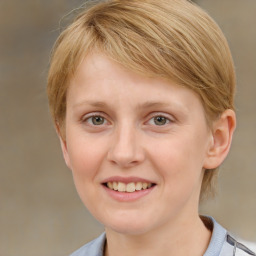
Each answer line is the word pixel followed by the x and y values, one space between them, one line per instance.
pixel 40 212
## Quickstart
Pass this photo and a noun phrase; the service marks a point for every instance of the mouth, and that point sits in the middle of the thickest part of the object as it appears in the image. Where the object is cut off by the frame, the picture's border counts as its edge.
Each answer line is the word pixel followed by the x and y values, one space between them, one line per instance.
pixel 128 187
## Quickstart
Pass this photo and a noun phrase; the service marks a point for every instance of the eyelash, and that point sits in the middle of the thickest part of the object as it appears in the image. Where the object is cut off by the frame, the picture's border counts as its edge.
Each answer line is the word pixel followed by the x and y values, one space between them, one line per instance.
pixel 156 115
pixel 85 119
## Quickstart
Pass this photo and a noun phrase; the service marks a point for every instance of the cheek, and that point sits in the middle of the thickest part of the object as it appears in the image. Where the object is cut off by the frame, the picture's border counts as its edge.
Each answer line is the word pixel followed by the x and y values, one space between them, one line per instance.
pixel 179 162
pixel 85 152
pixel 86 161
pixel 86 158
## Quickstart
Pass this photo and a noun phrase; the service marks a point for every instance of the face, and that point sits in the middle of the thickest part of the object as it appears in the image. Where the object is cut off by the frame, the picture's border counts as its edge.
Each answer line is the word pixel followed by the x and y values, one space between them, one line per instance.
pixel 136 146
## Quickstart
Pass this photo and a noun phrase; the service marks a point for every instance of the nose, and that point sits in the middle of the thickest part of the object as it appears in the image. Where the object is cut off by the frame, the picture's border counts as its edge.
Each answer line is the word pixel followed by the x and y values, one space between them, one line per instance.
pixel 126 150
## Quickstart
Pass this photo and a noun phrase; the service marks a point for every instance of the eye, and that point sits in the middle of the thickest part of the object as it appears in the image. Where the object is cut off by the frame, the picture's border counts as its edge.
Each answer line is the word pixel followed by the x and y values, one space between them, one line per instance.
pixel 96 120
pixel 159 120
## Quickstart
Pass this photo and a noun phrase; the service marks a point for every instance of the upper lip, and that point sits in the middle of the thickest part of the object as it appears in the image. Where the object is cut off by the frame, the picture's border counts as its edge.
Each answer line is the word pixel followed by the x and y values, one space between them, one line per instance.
pixel 127 180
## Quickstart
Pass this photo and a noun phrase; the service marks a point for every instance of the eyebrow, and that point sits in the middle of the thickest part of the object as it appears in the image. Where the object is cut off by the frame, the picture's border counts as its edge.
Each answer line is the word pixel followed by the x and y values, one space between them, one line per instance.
pixel 151 104
pixel 102 104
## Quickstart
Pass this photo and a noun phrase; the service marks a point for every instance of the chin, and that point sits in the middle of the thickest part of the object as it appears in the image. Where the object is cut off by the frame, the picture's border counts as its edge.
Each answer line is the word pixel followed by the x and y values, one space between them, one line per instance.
pixel 129 230
pixel 129 226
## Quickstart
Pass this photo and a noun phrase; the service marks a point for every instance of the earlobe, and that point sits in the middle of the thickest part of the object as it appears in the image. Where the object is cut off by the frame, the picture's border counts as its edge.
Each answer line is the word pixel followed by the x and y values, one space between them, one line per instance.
pixel 63 144
pixel 222 133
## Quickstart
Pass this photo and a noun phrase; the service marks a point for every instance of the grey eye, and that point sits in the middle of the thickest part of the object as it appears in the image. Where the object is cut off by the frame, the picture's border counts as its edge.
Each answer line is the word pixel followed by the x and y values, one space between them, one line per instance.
pixel 97 120
pixel 160 120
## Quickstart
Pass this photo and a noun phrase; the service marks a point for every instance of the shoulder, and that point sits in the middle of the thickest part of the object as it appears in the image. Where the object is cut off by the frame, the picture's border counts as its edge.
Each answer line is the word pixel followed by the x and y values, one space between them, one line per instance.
pixel 237 247
pixel 250 245
pixel 224 244
pixel 241 247
pixel 93 248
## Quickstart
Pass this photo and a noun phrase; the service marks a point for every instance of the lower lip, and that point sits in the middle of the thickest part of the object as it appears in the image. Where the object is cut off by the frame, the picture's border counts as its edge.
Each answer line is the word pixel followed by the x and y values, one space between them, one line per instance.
pixel 128 196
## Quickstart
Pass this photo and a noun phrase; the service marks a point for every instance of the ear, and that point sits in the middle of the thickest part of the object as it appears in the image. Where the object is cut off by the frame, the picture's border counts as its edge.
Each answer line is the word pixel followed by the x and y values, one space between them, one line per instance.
pixel 222 132
pixel 63 144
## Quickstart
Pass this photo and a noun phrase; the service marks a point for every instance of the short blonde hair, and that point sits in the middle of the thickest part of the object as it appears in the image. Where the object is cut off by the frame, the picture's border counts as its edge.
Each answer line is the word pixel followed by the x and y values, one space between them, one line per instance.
pixel 172 39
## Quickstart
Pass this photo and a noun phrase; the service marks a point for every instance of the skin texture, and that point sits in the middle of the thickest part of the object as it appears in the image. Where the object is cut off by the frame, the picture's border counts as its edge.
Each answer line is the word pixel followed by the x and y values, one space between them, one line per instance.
pixel 127 142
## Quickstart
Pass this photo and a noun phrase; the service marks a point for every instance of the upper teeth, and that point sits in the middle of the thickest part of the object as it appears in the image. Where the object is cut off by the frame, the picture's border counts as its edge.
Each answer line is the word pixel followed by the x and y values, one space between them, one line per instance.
pixel 130 187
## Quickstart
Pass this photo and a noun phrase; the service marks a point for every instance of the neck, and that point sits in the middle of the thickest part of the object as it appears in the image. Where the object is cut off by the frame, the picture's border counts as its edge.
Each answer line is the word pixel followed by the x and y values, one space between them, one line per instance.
pixel 180 239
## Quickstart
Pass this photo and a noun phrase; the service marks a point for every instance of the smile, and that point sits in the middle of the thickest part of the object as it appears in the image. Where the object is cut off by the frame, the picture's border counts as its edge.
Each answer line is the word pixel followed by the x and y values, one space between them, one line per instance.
pixel 130 187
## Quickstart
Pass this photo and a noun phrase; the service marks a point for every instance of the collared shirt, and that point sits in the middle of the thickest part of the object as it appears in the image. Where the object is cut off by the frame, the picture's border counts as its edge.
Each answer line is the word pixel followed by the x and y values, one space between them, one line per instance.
pixel 221 244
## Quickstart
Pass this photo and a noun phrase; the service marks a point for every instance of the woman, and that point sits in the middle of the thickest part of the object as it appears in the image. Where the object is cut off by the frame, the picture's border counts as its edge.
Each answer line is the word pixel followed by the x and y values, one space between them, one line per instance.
pixel 142 96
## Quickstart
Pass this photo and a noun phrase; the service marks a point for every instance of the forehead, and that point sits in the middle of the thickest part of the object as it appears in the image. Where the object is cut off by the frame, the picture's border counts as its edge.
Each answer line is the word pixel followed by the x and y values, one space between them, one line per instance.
pixel 101 80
